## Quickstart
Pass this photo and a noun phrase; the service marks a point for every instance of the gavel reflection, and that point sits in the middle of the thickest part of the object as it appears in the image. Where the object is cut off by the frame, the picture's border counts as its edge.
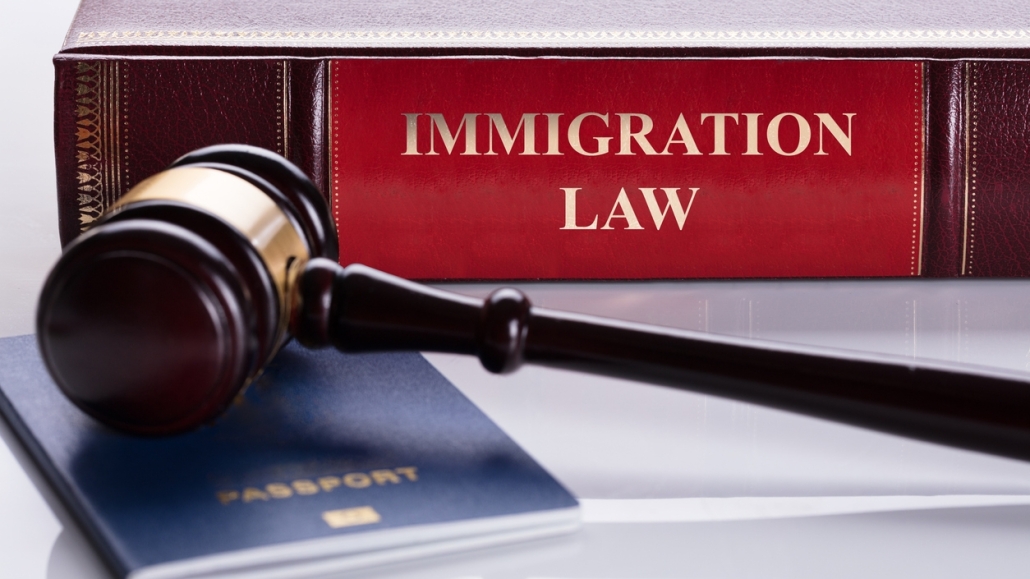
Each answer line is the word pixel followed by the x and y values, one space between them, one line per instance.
pixel 154 320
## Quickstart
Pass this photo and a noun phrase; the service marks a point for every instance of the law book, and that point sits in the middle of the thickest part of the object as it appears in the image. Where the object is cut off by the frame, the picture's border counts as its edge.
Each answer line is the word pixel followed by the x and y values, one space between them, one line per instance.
pixel 456 140
pixel 327 463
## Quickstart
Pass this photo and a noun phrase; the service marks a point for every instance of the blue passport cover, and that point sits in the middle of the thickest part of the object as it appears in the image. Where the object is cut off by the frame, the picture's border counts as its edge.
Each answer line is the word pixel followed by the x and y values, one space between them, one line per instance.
pixel 323 444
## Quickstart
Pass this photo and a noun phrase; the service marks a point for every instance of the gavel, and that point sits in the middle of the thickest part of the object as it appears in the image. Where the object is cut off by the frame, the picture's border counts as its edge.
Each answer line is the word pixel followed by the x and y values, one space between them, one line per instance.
pixel 155 319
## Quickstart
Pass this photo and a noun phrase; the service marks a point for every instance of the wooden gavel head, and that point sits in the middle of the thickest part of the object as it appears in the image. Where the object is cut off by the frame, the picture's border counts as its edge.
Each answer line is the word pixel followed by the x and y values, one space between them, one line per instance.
pixel 154 319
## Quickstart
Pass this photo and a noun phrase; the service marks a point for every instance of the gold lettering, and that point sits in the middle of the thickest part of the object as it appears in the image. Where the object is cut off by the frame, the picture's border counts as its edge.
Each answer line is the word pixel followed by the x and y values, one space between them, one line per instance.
pixel 570 210
pixel 279 491
pixel 329 483
pixel 411 124
pixel 686 138
pixel 408 471
pixel 226 497
pixel 527 124
pixel 622 204
pixel 253 494
pixel 719 129
pixel 804 134
pixel 574 136
pixel 552 134
pixel 752 133
pixel 299 487
pixel 627 135
pixel 630 138
pixel 672 194
pixel 468 123
pixel 305 487
pixel 357 480
pixel 844 140
pixel 384 476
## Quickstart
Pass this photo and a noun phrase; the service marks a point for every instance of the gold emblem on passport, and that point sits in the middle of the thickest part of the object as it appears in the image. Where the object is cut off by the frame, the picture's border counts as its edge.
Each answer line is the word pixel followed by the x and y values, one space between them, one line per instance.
pixel 350 517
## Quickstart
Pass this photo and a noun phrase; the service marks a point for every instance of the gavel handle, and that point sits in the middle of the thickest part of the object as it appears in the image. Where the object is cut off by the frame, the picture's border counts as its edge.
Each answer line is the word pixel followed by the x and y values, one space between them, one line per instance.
pixel 362 309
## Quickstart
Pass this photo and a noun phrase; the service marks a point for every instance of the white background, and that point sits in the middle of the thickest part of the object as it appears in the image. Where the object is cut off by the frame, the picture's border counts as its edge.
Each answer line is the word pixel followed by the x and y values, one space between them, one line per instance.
pixel 690 486
pixel 30 34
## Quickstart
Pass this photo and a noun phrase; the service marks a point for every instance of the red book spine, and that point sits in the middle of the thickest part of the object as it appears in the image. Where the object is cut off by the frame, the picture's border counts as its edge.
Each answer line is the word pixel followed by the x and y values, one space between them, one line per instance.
pixel 592 168
pixel 639 169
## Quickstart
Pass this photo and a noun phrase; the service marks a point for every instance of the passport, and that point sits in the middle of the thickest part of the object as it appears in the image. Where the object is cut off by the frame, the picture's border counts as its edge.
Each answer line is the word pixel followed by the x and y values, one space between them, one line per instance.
pixel 327 462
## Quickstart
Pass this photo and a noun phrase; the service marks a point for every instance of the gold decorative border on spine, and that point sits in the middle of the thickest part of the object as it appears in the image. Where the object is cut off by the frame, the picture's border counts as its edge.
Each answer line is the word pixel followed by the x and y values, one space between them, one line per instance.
pixel 334 116
pixel 282 98
pixel 122 113
pixel 919 170
pixel 571 37
pixel 969 221
pixel 98 136
pixel 88 156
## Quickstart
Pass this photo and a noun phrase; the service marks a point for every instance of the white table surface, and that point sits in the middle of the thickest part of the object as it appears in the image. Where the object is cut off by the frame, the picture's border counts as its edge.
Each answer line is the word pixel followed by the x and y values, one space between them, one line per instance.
pixel 673 484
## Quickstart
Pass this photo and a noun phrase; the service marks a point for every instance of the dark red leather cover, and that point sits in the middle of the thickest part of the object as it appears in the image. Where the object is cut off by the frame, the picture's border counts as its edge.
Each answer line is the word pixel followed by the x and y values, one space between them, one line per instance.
pixel 945 167
pixel 140 82
pixel 750 211
pixel 119 121
pixel 996 240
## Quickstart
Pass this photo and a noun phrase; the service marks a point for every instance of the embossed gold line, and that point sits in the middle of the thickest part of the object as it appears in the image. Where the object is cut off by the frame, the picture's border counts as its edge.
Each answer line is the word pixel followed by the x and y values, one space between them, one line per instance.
pixel 922 169
pixel 103 119
pixel 965 213
pixel 116 137
pixel 279 111
pixel 286 108
pixel 331 138
pixel 974 172
pixel 101 136
pixel 109 150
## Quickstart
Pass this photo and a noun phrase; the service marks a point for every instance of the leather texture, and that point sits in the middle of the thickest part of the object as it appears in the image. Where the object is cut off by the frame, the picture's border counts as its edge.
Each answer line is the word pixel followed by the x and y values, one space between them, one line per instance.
pixel 119 121
pixel 945 168
pixel 470 206
pixel 134 96
pixel 306 118
pixel 997 243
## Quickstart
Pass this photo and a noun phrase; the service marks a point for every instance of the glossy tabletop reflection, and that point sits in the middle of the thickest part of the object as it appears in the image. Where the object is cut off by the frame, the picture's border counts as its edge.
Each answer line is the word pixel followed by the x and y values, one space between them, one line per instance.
pixel 662 443
pixel 673 484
